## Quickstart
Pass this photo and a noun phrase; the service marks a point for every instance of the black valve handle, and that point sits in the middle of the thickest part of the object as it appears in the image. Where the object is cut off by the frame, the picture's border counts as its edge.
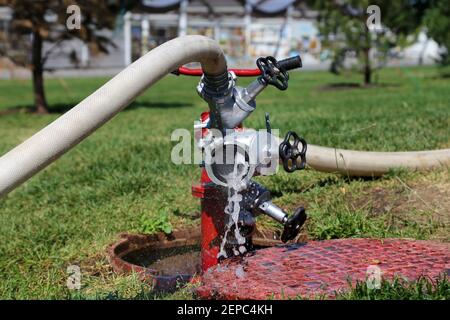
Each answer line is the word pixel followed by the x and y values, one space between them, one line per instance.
pixel 290 63
pixel 293 224
pixel 271 74
pixel 292 157
pixel 275 72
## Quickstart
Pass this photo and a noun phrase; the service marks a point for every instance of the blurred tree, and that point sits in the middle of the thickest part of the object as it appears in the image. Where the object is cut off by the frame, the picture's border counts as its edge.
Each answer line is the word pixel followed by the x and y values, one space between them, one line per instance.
pixel 38 21
pixel 343 24
pixel 437 22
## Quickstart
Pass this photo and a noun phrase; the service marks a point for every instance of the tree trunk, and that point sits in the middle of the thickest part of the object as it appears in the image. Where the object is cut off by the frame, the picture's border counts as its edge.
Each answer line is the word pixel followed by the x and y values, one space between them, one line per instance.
pixel 367 67
pixel 40 101
pixel 366 57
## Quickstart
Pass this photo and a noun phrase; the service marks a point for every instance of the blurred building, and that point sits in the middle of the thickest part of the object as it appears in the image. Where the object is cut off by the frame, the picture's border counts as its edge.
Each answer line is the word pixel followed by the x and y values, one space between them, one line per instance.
pixel 245 29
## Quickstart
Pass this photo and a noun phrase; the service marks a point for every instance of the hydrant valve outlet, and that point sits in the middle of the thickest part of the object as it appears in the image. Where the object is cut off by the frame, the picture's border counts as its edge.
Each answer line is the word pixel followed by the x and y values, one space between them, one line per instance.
pixel 293 225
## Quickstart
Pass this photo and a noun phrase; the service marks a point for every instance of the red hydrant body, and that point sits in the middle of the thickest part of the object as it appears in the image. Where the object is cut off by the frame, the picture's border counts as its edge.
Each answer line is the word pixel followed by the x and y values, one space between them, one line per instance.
pixel 213 202
pixel 227 228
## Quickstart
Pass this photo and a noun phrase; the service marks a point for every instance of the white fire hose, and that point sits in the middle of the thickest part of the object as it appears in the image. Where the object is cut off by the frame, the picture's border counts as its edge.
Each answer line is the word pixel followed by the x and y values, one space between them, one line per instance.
pixel 368 164
pixel 64 133
pixel 47 145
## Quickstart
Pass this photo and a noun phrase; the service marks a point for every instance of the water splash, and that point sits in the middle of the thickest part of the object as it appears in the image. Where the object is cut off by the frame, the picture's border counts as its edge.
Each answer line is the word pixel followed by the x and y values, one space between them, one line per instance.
pixel 235 184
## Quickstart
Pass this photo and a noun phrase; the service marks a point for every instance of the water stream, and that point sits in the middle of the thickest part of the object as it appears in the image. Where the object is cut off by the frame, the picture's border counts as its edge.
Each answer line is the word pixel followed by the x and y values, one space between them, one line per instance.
pixel 235 184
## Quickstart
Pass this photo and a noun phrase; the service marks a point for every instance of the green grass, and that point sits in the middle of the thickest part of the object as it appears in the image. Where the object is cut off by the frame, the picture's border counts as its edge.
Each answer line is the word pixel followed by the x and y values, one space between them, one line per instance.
pixel 397 288
pixel 122 175
pixel 400 289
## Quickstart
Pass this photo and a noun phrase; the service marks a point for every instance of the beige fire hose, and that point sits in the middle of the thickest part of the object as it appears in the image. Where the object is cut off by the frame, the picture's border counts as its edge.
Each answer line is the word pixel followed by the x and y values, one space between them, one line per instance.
pixel 47 145
pixel 368 163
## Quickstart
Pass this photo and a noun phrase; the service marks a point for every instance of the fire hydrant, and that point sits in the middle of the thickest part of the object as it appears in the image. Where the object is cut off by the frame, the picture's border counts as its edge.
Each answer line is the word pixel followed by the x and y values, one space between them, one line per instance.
pixel 232 155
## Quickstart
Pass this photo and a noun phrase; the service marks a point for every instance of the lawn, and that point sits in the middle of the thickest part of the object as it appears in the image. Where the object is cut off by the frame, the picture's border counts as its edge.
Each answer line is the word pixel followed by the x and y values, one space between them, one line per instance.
pixel 71 211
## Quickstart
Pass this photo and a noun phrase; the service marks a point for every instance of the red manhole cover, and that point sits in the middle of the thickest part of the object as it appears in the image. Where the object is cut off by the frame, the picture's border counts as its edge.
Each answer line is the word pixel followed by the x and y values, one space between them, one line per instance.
pixel 321 267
